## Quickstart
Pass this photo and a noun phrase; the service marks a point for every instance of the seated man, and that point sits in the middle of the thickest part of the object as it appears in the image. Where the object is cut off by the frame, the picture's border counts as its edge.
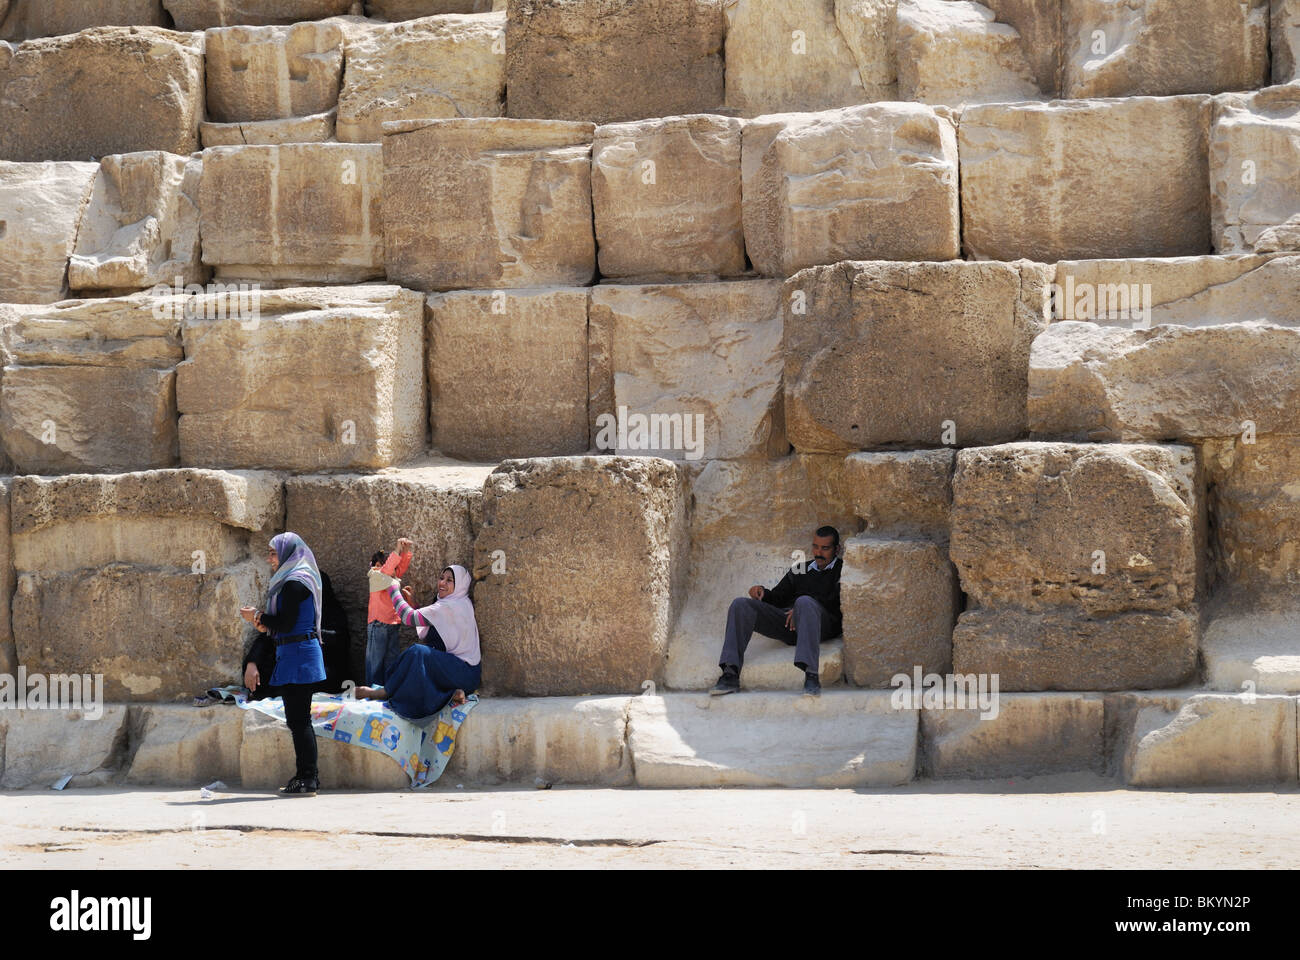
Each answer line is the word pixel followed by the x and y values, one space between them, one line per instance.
pixel 803 610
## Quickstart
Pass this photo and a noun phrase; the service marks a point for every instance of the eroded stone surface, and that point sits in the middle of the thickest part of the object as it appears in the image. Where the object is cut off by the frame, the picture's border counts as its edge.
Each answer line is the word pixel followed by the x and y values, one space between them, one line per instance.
pixel 903 494
pixel 202 14
pixel 1030 734
pixel 317 128
pixel 1255 172
pixel 877 181
pixel 269 73
pixel 953 52
pixel 41 205
pixel 1284 34
pixel 32 19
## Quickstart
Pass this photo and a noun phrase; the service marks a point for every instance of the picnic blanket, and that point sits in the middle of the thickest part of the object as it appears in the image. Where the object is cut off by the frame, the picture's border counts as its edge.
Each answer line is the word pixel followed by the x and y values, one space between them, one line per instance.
pixel 422 748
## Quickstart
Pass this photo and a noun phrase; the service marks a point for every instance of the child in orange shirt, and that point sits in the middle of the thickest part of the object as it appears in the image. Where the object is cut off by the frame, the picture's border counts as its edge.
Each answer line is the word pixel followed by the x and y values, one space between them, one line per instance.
pixel 383 624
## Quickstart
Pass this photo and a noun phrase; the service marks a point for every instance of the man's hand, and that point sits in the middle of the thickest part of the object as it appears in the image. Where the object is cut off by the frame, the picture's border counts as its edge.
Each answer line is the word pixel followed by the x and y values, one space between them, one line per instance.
pixel 251 677
pixel 789 619
pixel 757 592
pixel 404 546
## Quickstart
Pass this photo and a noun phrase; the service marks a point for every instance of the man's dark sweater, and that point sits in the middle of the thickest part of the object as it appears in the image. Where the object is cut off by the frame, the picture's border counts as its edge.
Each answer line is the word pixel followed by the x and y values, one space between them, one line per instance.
pixel 822 585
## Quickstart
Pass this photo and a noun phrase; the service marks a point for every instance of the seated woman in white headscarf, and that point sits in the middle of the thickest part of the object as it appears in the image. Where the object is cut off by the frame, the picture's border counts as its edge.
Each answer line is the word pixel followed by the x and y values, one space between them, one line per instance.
pixel 445 665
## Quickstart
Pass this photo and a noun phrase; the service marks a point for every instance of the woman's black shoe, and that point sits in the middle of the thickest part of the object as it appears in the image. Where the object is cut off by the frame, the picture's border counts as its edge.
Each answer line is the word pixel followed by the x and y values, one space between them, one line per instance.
pixel 301 788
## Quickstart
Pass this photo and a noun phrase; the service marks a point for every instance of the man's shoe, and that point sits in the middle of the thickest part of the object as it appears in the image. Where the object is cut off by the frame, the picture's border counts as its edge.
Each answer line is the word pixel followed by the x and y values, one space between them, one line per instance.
pixel 729 682
pixel 812 686
pixel 300 787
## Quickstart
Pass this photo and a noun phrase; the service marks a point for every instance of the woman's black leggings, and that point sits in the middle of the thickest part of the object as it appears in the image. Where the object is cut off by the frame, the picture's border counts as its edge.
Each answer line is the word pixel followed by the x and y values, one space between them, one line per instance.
pixel 297 712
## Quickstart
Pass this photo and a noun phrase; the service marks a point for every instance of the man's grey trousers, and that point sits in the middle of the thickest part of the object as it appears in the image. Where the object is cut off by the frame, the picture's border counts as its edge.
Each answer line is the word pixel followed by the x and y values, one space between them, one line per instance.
pixel 811 626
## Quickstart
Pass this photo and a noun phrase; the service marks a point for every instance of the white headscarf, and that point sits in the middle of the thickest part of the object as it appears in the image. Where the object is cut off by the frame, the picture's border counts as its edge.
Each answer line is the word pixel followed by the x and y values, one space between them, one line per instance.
pixel 453 617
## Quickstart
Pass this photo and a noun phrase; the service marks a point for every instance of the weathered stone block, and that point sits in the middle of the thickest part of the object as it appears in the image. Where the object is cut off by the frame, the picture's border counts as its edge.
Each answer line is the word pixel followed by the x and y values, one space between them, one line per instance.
pixel 1253 650
pixel 394 10
pixel 1284 35
pixel 64 98
pixel 1079 564
pixel 878 181
pixel 168 553
pixel 903 494
pixel 41 747
pixel 240 394
pixel 909 353
pixel 269 73
pixel 1163 47
pixel 8 653
pixel 1255 172
pixel 1188 291
pixel 203 14
pixel 32 19
pixel 345 518
pixel 141 227
pixel 1098 383
pixel 559 739
pixel 708 354
pixel 899 599
pixel 508 373
pixel 303 211
pixel 40 209
pixel 318 128
pixel 1030 734
pixel 1039 24
pixel 604 60
pixel 488 203
pixel 1072 180
pixel 954 53
pixel 852 739
pixel 747 520
pixel 435 67
pixel 666 194
pixel 181 746
pixel 1207 740
pixel 800 55
pixel 89 385
pixel 603 633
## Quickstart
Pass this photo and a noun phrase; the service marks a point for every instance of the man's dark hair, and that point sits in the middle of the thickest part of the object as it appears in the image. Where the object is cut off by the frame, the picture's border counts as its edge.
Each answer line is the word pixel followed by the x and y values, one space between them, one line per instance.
pixel 377 557
pixel 829 531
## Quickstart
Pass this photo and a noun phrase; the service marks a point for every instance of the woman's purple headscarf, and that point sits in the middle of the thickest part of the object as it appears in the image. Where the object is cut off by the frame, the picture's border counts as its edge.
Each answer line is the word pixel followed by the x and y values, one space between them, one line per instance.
pixel 297 562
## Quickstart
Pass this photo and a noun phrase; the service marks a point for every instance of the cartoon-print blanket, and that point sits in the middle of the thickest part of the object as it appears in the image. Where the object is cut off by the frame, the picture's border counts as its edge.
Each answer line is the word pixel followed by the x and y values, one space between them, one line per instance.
pixel 422 749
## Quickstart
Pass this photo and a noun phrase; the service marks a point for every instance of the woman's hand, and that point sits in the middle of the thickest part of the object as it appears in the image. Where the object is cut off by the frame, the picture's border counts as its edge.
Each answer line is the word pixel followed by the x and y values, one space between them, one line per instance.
pixel 248 613
pixel 409 594
pixel 251 677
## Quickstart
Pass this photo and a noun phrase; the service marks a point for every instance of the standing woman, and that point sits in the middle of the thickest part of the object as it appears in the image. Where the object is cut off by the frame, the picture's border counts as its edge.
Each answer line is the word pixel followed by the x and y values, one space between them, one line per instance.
pixel 292 618
pixel 445 665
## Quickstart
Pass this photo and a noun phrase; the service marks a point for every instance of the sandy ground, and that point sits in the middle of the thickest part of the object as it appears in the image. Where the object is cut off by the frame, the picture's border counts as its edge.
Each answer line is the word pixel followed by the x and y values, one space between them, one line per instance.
pixel 1054 822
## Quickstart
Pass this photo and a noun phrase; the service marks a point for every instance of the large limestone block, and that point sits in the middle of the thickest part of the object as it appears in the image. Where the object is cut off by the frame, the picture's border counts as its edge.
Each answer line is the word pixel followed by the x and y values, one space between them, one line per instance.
pixel 605 633
pixel 1029 518
pixel 605 60
pixel 240 389
pixel 435 67
pixel 1255 650
pixel 749 521
pixel 8 653
pixel 41 205
pixel 1074 180
pixel 903 494
pixel 877 181
pixel 1163 47
pixel 303 211
pixel 317 128
pixel 909 353
pixel 488 203
pixel 953 52
pixel 268 73
pixel 394 10
pixel 346 517
pixel 508 373
pixel 1090 382
pixel 41 747
pixel 797 55
pixel 1188 291
pixel 559 739
pixel 141 227
pixel 666 197
pixel 178 745
pixel 1209 740
pixel 1255 172
pixel 89 385
pixel 1029 734
pixel 171 553
pixel 203 14
pixel 266 760
pixel 1039 24
pixel 707 354
pixel 64 98
pixel 899 599
pixel 1079 564
pixel 32 19
pixel 1284 34
pixel 851 739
